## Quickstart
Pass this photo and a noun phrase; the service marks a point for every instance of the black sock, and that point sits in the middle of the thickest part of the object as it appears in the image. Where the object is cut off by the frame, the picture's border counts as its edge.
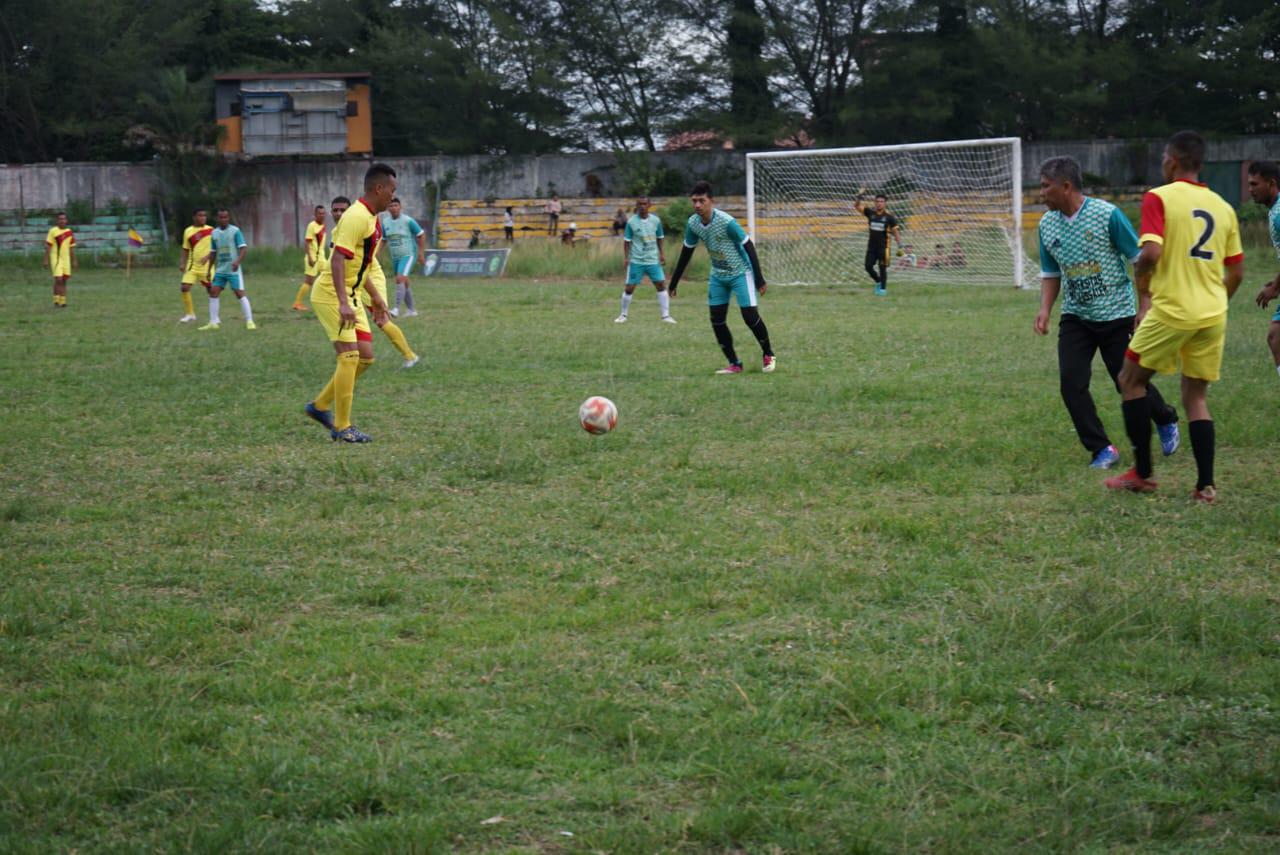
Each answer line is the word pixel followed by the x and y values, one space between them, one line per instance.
pixel 755 323
pixel 1137 423
pixel 720 325
pixel 1202 441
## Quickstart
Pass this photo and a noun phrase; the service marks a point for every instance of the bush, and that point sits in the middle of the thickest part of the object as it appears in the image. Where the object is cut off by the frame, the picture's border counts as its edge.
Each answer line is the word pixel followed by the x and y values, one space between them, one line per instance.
pixel 79 212
pixel 674 215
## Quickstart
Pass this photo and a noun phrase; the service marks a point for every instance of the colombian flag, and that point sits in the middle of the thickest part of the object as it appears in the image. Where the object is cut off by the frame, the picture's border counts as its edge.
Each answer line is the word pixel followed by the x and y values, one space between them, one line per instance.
pixel 135 239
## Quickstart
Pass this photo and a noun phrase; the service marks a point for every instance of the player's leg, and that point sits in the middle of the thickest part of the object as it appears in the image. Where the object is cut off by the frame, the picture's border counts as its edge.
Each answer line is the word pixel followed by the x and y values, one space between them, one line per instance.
pixel 884 267
pixel 1201 364
pixel 1076 346
pixel 1273 338
pixel 332 407
pixel 718 291
pixel 659 280
pixel 393 332
pixel 1154 347
pixel 215 291
pixel 869 263
pixel 748 304
pixel 237 287
pixel 409 310
pixel 634 277
pixel 60 288
pixel 188 306
pixel 303 290
pixel 1113 341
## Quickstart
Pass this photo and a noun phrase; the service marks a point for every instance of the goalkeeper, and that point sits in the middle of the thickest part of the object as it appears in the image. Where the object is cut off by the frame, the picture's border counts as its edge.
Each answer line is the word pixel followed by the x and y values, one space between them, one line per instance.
pixel 881 224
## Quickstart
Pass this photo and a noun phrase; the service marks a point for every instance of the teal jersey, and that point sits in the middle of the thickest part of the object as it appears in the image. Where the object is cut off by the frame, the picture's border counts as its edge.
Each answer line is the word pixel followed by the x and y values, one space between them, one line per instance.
pixel 643 235
pixel 724 239
pixel 401 234
pixel 1273 221
pixel 1088 252
pixel 226 247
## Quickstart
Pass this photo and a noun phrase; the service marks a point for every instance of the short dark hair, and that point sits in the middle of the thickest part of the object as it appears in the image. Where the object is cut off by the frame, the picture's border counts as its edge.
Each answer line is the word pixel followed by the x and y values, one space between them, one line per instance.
pixel 396 199
pixel 1187 147
pixel 1063 168
pixel 220 210
pixel 1267 170
pixel 60 214
pixel 882 196
pixel 702 188
pixel 195 211
pixel 343 199
pixel 377 172
pixel 319 207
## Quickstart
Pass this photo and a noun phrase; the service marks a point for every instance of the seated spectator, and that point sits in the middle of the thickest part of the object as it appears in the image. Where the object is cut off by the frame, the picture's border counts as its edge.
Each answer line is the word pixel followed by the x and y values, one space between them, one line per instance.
pixel 619 222
pixel 475 239
pixel 956 258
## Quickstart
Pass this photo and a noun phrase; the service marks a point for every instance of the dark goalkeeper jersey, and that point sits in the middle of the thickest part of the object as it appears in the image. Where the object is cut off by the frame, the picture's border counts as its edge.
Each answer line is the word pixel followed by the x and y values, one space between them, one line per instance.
pixel 880 226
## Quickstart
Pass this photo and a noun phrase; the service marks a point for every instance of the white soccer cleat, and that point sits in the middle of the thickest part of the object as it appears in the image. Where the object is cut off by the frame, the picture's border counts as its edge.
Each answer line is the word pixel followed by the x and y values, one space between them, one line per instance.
pixel 412 361
pixel 395 313
pixel 621 319
pixel 186 319
pixel 667 319
pixel 769 364
pixel 410 313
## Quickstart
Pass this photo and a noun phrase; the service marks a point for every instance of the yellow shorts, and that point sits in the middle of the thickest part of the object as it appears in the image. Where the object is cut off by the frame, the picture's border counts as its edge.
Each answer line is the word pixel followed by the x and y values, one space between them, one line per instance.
pixel 378 280
pixel 62 270
pixel 1159 347
pixel 200 274
pixel 312 270
pixel 327 314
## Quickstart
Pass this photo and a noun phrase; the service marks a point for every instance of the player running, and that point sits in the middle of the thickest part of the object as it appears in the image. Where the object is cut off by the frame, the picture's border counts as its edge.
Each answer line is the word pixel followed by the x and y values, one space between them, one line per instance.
pixel 643 255
pixel 1264 188
pixel 880 224
pixel 194 265
pixel 60 257
pixel 1189 235
pixel 735 270
pixel 402 232
pixel 227 250
pixel 313 244
pixel 1088 243
pixel 340 308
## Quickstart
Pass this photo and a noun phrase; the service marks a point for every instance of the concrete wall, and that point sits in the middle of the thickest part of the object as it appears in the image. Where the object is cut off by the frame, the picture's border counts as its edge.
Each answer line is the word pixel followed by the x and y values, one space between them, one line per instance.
pixel 289 189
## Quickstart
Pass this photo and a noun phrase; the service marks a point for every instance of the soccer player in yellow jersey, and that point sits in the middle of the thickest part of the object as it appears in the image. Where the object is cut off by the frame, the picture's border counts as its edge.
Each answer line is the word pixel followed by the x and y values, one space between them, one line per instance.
pixel 1190 264
pixel 338 300
pixel 313 242
pixel 195 266
pixel 60 257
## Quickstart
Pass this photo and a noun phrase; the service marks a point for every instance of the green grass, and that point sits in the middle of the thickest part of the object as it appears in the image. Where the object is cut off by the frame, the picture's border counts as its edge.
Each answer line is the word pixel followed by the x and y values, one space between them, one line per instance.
pixel 872 602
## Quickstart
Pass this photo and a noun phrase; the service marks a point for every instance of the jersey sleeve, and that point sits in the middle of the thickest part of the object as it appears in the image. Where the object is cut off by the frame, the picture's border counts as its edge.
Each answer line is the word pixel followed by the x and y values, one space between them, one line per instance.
pixel 626 232
pixel 48 238
pixel 890 222
pixel 1123 237
pixel 1151 226
pixel 1049 267
pixel 658 233
pixel 1235 250
pixel 734 230
pixel 414 228
pixel 240 241
pixel 690 239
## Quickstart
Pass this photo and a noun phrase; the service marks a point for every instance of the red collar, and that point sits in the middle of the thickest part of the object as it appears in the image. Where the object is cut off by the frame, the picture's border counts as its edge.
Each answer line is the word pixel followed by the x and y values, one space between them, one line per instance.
pixel 366 204
pixel 1189 181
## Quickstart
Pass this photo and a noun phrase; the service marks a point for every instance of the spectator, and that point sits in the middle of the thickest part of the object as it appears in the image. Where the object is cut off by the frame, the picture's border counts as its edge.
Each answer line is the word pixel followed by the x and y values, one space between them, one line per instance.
pixel 509 225
pixel 553 209
pixel 475 239
pixel 619 222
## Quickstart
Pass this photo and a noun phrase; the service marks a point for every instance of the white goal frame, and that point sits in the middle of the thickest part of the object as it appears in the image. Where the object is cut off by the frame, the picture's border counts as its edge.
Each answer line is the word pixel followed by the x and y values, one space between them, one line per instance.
pixel 1012 183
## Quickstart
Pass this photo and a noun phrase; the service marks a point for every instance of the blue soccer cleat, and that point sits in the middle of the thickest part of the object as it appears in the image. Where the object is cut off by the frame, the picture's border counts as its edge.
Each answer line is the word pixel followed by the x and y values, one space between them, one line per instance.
pixel 1170 438
pixel 1105 458
pixel 324 417
pixel 351 434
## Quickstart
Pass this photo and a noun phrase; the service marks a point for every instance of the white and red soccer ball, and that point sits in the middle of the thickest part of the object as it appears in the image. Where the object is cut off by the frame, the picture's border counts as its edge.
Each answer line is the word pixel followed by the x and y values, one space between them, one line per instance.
pixel 597 415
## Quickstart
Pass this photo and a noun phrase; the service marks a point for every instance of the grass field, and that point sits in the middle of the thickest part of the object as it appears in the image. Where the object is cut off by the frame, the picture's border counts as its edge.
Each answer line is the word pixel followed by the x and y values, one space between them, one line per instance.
pixel 873 602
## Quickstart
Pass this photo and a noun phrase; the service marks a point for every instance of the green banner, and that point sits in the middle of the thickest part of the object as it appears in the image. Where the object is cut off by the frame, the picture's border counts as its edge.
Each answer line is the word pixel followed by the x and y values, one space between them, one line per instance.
pixel 465 262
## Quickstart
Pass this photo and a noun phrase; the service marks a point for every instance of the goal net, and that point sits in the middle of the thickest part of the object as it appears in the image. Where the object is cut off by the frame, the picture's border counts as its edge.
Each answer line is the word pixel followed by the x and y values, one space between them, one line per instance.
pixel 958 205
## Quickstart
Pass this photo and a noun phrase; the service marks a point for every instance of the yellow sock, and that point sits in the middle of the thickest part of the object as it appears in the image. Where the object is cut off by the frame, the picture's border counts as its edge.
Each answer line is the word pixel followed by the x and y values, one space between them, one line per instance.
pixel 364 366
pixel 344 387
pixel 187 304
pixel 324 401
pixel 398 339
pixel 303 289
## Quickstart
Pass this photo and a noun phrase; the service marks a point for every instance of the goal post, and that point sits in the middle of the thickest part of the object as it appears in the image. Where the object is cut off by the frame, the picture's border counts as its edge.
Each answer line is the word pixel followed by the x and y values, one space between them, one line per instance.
pixel 958 203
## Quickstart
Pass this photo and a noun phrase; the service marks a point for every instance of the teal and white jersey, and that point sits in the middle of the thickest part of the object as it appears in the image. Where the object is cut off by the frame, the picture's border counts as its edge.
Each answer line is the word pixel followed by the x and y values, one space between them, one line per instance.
pixel 1273 221
pixel 226 247
pixel 724 239
pixel 643 235
pixel 1088 252
pixel 401 234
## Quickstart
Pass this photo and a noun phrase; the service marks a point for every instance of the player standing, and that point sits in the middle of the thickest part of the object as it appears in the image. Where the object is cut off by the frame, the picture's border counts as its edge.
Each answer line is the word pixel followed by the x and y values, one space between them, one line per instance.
pixel 1188 235
pixel 643 255
pixel 402 232
pixel 337 301
pixel 194 266
pixel 880 224
pixel 60 257
pixel 735 270
pixel 228 247
pixel 313 245
pixel 1089 243
pixel 1264 188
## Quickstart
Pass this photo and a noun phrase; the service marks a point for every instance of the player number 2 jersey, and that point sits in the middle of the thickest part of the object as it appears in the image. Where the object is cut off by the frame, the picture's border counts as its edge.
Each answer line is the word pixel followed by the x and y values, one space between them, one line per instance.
pixel 1200 235
pixel 643 235
pixel 60 242
pixel 724 239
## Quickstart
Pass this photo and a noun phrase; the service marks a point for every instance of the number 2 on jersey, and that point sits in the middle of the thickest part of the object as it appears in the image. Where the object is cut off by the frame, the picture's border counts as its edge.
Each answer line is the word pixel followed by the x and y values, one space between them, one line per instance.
pixel 1196 251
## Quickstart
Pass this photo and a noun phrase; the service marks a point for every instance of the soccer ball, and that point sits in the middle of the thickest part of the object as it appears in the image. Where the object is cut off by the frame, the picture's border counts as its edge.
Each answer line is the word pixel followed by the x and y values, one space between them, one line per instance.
pixel 597 415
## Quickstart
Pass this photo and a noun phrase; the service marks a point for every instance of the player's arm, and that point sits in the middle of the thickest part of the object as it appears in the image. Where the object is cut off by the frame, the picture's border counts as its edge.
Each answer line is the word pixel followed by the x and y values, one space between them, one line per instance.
pixel 626 245
pixel 1151 229
pixel 422 245
pixel 661 238
pixel 1233 277
pixel 1269 292
pixel 244 248
pixel 310 245
pixel 1234 260
pixel 186 256
pixel 750 247
pixel 686 253
pixel 75 264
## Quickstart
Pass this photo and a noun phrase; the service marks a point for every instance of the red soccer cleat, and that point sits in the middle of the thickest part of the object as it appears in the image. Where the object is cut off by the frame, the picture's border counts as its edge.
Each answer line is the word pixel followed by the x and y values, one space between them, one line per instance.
pixel 1206 496
pixel 1131 481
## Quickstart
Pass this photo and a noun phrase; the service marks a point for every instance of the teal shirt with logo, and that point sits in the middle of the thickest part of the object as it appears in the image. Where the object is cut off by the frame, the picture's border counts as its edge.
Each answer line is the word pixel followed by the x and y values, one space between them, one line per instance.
pixel 724 239
pixel 401 234
pixel 1089 252
pixel 226 248
pixel 643 233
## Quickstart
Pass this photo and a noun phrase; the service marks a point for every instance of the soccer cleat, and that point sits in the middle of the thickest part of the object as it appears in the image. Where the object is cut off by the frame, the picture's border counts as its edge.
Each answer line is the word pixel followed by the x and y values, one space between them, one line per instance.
pixel 731 368
pixel 621 319
pixel 1131 481
pixel 1105 458
pixel 1169 438
pixel 769 364
pixel 250 325
pixel 351 434
pixel 210 326
pixel 186 319
pixel 395 313
pixel 298 307
pixel 1205 496
pixel 324 417
pixel 667 319
pixel 411 361
pixel 880 292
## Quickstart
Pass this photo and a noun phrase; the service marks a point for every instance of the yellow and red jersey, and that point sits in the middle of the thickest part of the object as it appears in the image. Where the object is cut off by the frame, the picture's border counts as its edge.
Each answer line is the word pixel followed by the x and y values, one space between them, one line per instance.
pixel 314 242
pixel 356 238
pixel 195 240
pixel 60 242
